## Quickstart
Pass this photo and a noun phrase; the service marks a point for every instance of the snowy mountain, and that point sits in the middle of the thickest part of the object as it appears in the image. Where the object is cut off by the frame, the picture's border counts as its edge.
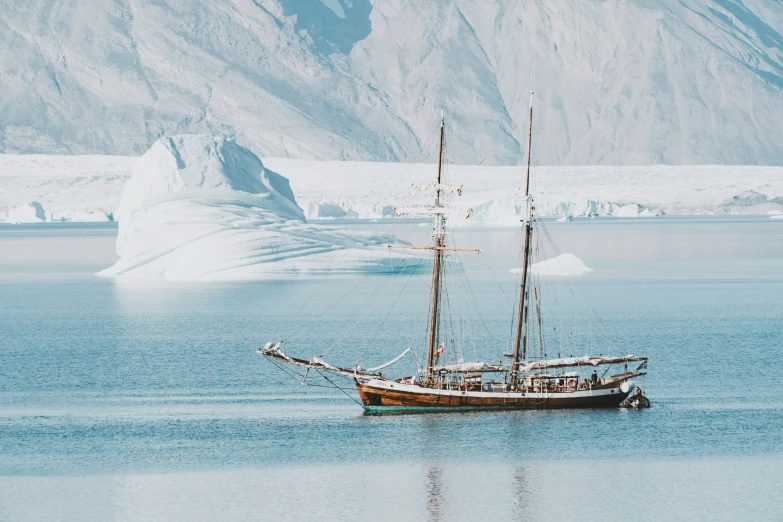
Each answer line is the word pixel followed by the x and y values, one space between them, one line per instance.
pixel 631 82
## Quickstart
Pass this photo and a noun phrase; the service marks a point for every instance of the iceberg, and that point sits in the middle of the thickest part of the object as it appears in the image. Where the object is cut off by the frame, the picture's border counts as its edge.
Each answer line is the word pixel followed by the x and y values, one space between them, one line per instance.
pixel 32 212
pixel 631 210
pixel 204 208
pixel 562 265
pixel 636 210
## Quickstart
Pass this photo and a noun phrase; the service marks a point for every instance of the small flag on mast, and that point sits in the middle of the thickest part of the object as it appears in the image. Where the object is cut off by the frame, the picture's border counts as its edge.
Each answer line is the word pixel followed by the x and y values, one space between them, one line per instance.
pixel 642 366
pixel 440 349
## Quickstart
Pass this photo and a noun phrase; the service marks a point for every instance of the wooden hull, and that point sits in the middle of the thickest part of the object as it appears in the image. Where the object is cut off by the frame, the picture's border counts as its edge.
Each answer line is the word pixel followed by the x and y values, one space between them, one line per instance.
pixel 379 396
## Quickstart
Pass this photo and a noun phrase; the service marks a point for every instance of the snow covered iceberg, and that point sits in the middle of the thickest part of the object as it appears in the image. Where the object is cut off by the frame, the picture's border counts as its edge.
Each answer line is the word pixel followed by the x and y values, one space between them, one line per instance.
pixel 202 207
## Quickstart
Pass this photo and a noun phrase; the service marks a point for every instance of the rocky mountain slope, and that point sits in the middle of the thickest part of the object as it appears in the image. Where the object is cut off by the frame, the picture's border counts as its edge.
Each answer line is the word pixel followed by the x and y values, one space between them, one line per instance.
pixel 632 82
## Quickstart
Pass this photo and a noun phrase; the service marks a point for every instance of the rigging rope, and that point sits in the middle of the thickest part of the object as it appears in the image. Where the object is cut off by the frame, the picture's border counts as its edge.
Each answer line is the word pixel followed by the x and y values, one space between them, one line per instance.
pixel 345 392
pixel 331 307
pixel 582 292
pixel 361 358
pixel 492 272
pixel 296 316
pixel 292 373
pixel 366 311
pixel 465 282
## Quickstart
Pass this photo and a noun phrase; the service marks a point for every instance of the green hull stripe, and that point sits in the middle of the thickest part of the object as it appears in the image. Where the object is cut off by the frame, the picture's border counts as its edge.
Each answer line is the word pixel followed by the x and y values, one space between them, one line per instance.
pixel 457 409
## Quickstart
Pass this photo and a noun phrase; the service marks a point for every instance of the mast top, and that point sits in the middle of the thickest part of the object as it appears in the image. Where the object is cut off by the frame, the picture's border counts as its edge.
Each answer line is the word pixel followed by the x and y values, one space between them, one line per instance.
pixel 532 82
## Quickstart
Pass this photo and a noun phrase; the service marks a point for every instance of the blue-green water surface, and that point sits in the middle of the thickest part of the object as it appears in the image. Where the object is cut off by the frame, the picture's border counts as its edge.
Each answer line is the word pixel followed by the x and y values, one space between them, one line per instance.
pixel 107 383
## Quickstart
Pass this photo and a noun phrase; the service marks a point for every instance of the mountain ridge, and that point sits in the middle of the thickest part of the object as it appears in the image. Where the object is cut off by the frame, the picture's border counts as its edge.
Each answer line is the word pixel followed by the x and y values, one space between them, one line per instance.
pixel 623 83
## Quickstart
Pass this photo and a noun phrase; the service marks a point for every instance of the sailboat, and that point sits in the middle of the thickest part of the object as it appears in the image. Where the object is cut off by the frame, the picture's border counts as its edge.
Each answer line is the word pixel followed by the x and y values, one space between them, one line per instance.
pixel 527 381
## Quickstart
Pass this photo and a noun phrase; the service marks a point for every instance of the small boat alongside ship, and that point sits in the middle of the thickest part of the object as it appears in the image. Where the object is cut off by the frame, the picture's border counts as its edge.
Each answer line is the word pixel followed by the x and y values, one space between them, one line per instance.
pixel 527 379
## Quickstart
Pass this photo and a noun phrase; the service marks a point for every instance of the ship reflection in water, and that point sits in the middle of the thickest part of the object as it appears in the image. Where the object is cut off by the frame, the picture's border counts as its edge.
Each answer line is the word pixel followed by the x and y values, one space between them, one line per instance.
pixel 448 491
pixel 521 492
pixel 434 492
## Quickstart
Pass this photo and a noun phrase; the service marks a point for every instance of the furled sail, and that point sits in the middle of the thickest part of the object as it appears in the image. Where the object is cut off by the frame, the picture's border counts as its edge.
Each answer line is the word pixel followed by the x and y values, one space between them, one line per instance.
pixel 272 349
pixel 568 362
pixel 385 365
pixel 470 367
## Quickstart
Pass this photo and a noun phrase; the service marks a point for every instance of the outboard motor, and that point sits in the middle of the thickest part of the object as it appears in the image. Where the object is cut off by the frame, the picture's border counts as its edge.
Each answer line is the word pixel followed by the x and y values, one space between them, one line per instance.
pixel 637 400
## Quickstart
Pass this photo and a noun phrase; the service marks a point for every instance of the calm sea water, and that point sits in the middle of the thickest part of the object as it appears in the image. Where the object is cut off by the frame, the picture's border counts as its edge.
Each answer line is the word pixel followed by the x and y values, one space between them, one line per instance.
pixel 132 401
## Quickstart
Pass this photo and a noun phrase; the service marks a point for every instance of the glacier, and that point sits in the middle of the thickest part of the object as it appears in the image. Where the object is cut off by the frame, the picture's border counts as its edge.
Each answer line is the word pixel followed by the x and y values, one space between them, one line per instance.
pixel 200 207
pixel 637 82
pixel 68 188
pixel 494 195
pixel 89 188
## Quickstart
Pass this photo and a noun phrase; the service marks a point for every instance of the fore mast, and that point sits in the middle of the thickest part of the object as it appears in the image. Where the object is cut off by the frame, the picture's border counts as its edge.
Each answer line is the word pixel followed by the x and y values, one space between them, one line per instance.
pixel 438 245
pixel 520 339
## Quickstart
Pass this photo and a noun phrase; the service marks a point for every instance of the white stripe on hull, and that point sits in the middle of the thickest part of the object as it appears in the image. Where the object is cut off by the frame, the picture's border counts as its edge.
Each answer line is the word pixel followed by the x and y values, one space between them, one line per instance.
pixel 412 388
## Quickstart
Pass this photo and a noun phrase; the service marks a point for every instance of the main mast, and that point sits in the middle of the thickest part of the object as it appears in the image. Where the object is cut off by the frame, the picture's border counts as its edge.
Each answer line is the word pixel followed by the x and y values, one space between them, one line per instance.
pixel 520 340
pixel 438 245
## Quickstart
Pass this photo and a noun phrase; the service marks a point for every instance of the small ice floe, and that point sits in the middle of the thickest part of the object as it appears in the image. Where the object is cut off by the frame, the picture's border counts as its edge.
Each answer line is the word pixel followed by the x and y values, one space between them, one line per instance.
pixel 562 265
pixel 776 216
pixel 564 219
